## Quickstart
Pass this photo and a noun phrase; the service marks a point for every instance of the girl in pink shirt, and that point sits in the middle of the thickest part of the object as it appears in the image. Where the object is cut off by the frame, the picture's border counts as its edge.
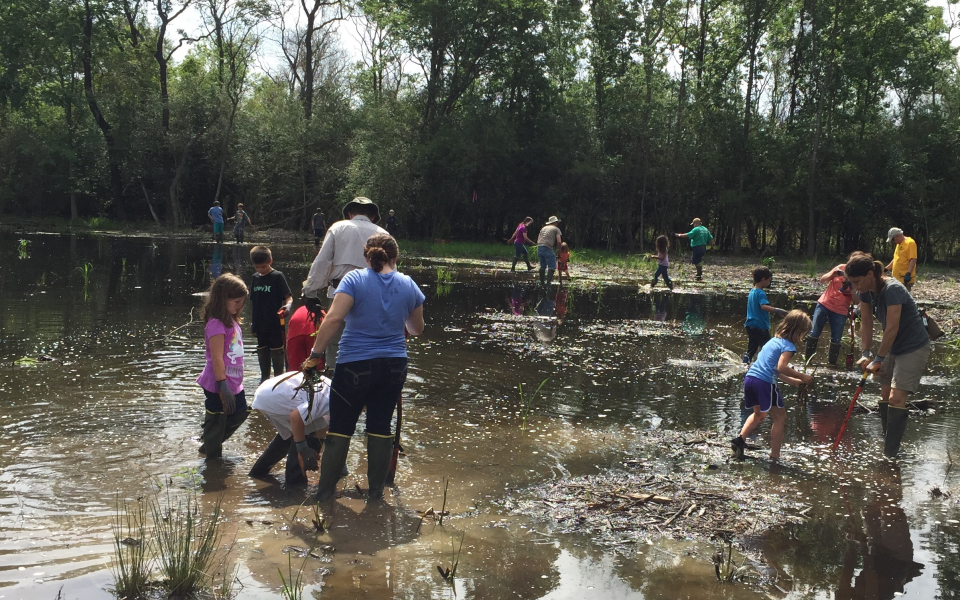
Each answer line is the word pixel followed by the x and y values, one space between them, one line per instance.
pixel 833 305
pixel 222 376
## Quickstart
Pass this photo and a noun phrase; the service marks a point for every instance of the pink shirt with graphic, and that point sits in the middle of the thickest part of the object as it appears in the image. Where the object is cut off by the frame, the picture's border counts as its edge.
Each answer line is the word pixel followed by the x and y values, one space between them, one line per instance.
pixel 836 298
pixel 232 356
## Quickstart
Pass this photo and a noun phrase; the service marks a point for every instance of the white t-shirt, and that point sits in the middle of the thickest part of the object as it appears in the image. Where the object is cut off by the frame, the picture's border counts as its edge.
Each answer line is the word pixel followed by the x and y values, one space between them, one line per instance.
pixel 276 404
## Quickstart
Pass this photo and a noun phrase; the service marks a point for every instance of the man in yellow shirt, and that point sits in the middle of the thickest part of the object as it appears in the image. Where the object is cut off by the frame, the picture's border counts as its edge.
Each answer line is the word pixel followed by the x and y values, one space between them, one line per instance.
pixel 904 263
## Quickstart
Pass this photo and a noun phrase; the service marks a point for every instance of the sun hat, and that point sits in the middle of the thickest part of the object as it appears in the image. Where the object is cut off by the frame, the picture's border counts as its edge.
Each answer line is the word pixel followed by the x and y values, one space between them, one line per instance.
pixel 552 220
pixel 361 201
pixel 697 221
pixel 894 232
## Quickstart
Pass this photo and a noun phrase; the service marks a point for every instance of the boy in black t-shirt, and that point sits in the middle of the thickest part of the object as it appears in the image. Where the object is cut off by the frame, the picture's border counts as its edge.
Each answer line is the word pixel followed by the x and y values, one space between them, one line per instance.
pixel 269 294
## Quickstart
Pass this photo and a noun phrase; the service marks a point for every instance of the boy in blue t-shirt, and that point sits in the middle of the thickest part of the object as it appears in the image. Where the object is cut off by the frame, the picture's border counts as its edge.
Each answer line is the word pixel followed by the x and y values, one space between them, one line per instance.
pixel 758 313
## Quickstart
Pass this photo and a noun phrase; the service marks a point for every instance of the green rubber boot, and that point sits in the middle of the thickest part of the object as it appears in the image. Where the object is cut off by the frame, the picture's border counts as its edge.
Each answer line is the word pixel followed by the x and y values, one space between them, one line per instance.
pixel 214 428
pixel 882 408
pixel 263 359
pixel 278 357
pixel 331 465
pixel 896 425
pixel 834 353
pixel 379 453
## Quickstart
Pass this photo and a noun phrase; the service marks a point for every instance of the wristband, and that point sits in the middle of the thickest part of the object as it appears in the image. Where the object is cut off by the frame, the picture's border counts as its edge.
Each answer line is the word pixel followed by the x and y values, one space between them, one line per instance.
pixel 867 354
pixel 314 355
pixel 878 358
pixel 301 445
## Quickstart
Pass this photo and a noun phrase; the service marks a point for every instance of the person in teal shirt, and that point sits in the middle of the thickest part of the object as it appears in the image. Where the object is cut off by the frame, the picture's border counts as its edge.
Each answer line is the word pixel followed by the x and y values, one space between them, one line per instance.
pixel 699 238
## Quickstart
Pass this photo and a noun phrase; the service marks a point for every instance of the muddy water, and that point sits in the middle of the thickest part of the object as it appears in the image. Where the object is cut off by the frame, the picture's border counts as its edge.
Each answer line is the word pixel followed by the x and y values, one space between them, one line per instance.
pixel 116 414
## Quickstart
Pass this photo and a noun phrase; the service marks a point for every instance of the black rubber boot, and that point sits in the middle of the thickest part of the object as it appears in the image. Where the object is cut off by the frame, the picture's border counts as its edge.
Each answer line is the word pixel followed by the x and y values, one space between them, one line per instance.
pixel 331 465
pixel 810 347
pixel 513 267
pixel 882 408
pixel 669 284
pixel 550 273
pixel 896 425
pixel 263 358
pixel 379 453
pixel 834 353
pixel 274 453
pixel 529 266
pixel 543 275
pixel 699 272
pixel 214 428
pixel 653 282
pixel 738 445
pixel 234 422
pixel 278 356
pixel 293 474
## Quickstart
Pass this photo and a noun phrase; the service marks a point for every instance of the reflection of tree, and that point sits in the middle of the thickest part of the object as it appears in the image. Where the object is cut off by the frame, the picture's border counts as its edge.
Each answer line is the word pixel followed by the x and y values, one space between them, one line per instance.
pixel 944 543
pixel 811 553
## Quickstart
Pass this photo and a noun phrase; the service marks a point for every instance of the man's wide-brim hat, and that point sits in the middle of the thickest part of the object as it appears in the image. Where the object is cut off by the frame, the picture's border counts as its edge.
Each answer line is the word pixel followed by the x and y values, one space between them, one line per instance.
pixel 552 220
pixel 894 232
pixel 358 202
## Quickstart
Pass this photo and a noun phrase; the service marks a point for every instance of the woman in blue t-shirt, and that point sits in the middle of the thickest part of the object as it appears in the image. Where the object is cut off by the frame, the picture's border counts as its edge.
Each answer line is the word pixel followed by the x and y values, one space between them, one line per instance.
pixel 377 305
pixel 760 391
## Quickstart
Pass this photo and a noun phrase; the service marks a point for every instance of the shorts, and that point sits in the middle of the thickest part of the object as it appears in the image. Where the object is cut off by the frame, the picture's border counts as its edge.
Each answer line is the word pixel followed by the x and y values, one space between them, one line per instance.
pixel 903 371
pixel 270 339
pixel 698 252
pixel 548 258
pixel 218 227
pixel 757 392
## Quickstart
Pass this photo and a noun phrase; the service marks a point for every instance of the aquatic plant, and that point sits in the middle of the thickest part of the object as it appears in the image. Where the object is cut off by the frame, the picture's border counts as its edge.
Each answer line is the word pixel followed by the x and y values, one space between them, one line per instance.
pixel 443 505
pixel 133 563
pixel 85 269
pixel 187 542
pixel 723 565
pixel 291 586
pixel 810 267
pixel 444 279
pixel 22 246
pixel 768 261
pixel 526 403
pixel 451 571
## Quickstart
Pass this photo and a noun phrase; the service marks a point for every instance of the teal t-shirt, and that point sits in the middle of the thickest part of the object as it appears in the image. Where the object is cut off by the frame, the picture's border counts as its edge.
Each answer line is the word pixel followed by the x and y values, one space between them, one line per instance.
pixel 756 316
pixel 699 236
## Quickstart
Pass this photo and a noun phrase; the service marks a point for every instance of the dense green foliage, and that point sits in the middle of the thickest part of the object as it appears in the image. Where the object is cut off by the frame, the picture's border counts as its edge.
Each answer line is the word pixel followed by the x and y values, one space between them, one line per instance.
pixel 800 125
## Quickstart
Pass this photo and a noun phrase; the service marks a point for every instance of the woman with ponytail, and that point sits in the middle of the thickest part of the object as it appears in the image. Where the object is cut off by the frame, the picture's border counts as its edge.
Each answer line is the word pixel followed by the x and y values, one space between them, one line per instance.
pixel 904 349
pixel 377 305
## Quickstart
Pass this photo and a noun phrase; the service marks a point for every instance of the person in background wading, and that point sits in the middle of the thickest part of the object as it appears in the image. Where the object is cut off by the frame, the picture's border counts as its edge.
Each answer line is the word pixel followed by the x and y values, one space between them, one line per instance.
pixel 376 305
pixel 548 243
pixel 904 348
pixel 699 238
pixel 904 264
pixel 520 241
pixel 319 224
pixel 833 306
pixel 342 252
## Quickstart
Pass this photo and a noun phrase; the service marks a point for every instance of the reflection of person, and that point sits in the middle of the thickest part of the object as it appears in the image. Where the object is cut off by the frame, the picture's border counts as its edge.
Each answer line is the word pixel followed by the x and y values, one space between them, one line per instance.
pixel 833 306
pixel 884 544
pixel 377 305
pixel 548 242
pixel 904 348
pixel 520 241
pixel 663 262
pixel 222 376
pixel 319 224
pixel 660 309
pixel 904 264
pixel 342 252
pixel 216 265
pixel 517 301
pixel 269 294
pixel 699 238
pixel 215 214
pixel 760 391
pixel 758 313
pixel 301 424
pixel 242 220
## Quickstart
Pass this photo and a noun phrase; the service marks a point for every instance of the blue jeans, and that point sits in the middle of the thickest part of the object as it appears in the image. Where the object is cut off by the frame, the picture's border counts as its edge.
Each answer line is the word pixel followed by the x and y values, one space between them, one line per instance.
pixel 519 249
pixel 697 254
pixel 548 258
pixel 662 270
pixel 375 384
pixel 837 323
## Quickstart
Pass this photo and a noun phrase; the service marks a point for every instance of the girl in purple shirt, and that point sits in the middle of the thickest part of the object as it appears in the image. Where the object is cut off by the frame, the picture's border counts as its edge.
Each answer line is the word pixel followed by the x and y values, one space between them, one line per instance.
pixel 520 241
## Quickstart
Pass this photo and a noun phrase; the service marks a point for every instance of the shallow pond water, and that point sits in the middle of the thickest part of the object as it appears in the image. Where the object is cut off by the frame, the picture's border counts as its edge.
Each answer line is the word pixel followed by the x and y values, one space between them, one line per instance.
pixel 117 412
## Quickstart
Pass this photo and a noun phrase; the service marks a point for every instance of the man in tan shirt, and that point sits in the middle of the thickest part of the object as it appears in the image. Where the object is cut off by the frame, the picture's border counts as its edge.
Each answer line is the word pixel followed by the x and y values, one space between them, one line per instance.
pixel 548 242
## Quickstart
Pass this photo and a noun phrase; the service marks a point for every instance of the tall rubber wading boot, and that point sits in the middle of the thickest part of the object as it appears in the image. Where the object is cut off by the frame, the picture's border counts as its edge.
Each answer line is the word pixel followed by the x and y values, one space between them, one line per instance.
pixel 274 453
pixel 529 266
pixel 543 280
pixel 263 359
pixel 550 273
pixel 278 356
pixel 214 430
pixel 514 266
pixel 379 453
pixel 896 425
pixel 293 474
pixel 331 465
pixel 834 353
pixel 883 407
pixel 809 347
pixel 234 422
pixel 699 272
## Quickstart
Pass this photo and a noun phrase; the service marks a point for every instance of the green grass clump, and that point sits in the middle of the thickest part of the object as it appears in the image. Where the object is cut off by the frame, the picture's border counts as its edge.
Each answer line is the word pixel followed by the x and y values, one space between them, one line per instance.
pixel 133 565
pixel 187 542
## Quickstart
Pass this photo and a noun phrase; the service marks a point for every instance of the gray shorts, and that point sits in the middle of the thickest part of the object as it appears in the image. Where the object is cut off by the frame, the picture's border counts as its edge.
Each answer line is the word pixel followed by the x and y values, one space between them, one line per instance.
pixel 903 371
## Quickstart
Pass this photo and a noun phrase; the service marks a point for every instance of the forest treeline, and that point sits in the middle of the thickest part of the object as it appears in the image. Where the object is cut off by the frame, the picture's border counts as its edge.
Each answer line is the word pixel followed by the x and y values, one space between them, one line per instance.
pixel 789 126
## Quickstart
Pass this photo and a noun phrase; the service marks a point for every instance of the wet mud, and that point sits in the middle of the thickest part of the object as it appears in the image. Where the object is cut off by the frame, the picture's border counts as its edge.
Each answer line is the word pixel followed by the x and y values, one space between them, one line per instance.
pixel 613 479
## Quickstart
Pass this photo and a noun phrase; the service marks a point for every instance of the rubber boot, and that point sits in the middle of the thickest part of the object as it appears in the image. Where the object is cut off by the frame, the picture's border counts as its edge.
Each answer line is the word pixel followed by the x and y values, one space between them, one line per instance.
pixel 263 358
pixel 214 428
pixel 810 347
pixel 293 474
pixel 834 353
pixel 278 357
pixel 669 284
pixel 529 266
pixel 699 272
pixel 550 273
pixel 653 282
pixel 513 267
pixel 543 281
pixel 331 465
pixel 882 409
pixel 896 425
pixel 234 422
pixel 274 453
pixel 379 453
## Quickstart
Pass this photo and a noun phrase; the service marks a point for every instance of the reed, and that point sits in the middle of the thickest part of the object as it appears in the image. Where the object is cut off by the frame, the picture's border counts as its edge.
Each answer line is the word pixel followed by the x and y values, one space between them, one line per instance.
pixel 133 564
pixel 187 542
